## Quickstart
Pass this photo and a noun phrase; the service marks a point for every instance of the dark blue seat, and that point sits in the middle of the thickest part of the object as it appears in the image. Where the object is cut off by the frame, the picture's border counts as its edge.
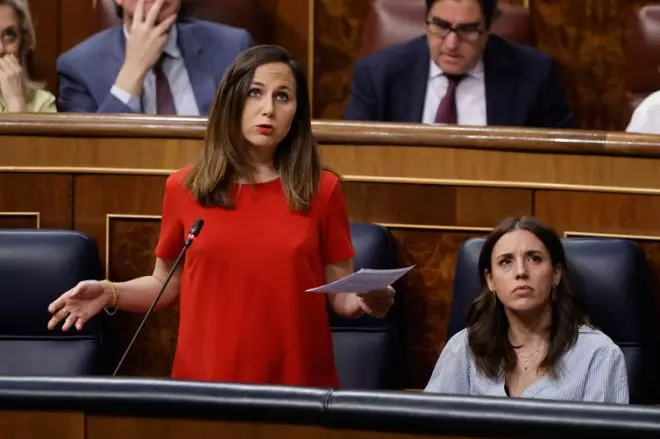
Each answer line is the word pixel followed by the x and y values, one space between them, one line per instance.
pixel 367 350
pixel 36 266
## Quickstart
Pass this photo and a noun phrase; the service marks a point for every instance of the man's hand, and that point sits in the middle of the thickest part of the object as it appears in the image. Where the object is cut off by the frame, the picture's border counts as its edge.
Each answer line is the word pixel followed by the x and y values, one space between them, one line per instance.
pixel 144 46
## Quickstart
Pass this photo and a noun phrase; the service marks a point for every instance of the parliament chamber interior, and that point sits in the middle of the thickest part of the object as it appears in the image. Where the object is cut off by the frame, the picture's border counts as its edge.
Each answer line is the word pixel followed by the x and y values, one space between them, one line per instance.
pixel 81 197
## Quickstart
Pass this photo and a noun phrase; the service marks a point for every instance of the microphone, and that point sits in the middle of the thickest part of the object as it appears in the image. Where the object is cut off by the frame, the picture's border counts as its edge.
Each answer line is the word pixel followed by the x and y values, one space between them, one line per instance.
pixel 192 234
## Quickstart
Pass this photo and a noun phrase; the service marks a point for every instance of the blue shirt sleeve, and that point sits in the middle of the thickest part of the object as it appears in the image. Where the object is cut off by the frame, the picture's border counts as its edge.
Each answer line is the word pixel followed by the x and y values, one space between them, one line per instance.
pixel 607 379
pixel 451 374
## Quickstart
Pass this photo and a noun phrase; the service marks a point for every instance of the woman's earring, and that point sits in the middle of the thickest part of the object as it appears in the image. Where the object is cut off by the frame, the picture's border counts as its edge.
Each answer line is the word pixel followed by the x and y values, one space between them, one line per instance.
pixel 553 292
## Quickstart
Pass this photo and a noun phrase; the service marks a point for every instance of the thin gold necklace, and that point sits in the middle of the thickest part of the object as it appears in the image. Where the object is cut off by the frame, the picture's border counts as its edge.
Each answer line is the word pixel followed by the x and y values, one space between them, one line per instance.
pixel 525 358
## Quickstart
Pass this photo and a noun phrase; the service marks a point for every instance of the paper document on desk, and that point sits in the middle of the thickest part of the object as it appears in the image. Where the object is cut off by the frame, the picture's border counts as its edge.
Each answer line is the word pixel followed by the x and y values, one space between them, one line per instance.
pixel 363 281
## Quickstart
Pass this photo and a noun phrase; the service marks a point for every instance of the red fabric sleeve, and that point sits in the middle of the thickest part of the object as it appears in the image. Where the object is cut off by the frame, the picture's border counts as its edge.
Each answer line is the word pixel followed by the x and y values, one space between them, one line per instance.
pixel 171 239
pixel 336 244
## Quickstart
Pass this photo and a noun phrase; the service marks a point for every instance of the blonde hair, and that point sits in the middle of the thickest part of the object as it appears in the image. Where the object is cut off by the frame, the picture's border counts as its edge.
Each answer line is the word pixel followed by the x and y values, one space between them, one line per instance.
pixel 28 43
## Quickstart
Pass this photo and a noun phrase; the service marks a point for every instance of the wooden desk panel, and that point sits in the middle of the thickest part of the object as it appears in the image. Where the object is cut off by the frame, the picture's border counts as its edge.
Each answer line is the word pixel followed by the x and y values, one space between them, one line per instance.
pixel 34 201
pixel 42 424
pixel 432 187
pixel 111 427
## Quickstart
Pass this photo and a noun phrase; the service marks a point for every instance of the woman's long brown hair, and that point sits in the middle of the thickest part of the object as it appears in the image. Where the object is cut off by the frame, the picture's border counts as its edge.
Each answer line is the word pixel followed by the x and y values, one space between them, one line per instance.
pixel 487 322
pixel 225 158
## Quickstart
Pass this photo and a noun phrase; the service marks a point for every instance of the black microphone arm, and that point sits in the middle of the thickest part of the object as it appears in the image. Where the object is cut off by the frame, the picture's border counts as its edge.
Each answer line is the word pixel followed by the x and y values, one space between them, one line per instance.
pixel 192 234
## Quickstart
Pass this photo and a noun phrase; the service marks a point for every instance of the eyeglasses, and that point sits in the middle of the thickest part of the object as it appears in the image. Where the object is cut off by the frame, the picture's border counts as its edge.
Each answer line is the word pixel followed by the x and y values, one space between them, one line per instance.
pixel 466 32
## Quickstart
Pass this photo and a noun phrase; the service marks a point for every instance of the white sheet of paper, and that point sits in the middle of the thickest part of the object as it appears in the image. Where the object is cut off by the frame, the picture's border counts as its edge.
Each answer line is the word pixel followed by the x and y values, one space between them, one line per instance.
pixel 363 281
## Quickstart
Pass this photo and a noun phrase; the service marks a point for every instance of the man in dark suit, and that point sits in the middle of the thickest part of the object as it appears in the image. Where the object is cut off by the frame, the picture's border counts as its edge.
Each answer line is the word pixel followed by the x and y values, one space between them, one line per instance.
pixel 459 74
pixel 156 63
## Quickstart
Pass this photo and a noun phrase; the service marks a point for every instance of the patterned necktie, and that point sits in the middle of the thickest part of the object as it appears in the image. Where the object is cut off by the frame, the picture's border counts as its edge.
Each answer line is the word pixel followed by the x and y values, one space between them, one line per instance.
pixel 164 98
pixel 447 109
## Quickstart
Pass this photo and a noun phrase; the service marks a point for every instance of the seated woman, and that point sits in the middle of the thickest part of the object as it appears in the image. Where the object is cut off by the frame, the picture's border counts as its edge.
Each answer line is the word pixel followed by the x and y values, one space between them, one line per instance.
pixel 527 333
pixel 18 93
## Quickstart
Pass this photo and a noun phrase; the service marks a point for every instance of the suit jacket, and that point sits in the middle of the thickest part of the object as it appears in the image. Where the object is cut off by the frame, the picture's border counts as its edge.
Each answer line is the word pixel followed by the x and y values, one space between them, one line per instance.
pixel 87 72
pixel 523 87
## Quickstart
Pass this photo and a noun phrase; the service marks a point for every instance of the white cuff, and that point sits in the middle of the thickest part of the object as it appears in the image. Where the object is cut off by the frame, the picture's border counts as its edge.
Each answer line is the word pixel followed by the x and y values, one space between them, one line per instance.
pixel 133 102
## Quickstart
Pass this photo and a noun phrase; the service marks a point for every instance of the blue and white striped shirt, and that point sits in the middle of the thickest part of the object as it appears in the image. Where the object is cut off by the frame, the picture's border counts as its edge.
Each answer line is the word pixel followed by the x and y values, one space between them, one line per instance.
pixel 594 370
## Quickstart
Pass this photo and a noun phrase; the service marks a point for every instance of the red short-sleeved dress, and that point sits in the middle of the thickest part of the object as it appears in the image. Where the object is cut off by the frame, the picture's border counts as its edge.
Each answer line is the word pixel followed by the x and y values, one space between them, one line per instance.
pixel 244 313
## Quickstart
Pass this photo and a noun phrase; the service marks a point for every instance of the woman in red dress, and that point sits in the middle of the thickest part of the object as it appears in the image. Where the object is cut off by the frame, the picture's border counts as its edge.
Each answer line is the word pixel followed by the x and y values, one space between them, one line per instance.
pixel 275 225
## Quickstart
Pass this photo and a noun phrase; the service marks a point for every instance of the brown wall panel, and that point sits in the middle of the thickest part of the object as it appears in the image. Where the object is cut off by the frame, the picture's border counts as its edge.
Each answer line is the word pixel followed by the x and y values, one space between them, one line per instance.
pixel 290 21
pixel 486 207
pixel 433 204
pixel 588 40
pixel 338 28
pixel 9 220
pixel 107 153
pixel 45 15
pixel 112 427
pixel 131 243
pixel 77 22
pixel 426 293
pixel 50 195
pixel 627 214
pixel 97 196
pixel 42 424
pixel 109 207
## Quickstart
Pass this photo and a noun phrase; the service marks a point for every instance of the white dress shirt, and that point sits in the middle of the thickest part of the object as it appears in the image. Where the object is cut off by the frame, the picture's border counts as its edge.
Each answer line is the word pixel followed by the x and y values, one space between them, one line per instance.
pixel 175 70
pixel 646 118
pixel 470 96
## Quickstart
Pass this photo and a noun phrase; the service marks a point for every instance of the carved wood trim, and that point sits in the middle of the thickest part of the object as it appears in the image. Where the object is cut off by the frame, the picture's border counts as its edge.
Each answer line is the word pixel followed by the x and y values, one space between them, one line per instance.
pixel 348 133
pixel 36 215
pixel 116 216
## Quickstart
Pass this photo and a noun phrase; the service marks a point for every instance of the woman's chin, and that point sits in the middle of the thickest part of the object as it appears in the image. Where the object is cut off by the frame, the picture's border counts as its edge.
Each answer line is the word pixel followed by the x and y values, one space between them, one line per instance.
pixel 524 305
pixel 263 141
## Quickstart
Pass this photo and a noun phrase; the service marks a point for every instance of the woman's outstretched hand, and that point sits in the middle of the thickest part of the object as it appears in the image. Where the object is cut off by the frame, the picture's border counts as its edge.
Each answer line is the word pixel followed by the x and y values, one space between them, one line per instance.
pixel 79 304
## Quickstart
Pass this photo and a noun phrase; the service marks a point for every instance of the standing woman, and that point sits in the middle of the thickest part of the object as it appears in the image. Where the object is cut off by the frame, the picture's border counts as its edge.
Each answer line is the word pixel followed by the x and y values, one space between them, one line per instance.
pixel 275 225
pixel 18 93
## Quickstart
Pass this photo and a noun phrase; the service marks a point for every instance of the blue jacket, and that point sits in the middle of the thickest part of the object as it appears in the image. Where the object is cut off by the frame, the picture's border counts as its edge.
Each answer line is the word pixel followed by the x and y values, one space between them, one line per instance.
pixel 87 72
